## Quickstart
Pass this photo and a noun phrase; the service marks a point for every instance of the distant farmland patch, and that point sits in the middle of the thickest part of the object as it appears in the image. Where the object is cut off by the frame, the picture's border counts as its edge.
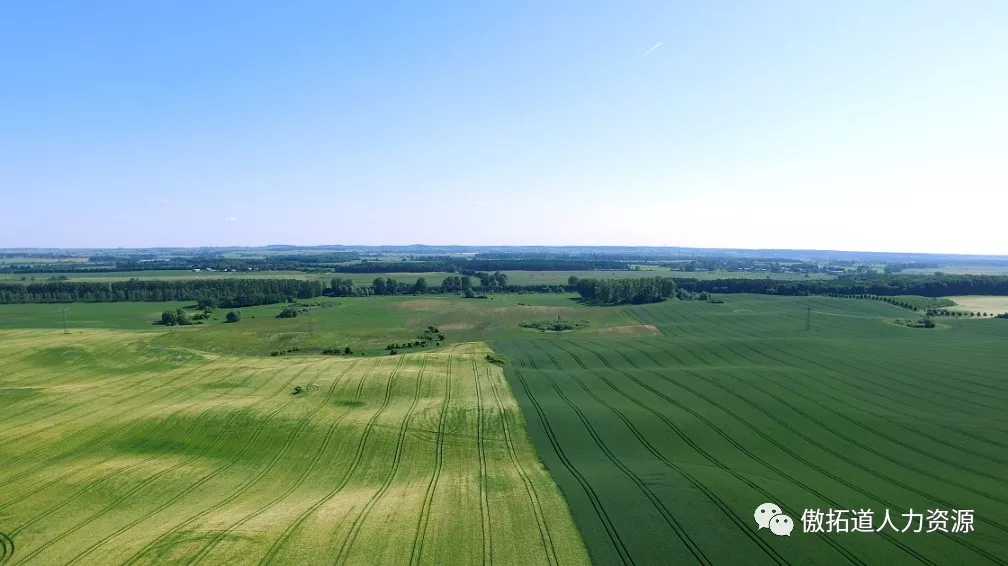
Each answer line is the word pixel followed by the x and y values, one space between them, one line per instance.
pixel 979 303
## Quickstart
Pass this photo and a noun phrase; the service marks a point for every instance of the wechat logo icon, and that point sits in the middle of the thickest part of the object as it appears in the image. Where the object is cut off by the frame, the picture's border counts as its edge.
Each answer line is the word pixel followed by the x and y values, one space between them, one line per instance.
pixel 769 516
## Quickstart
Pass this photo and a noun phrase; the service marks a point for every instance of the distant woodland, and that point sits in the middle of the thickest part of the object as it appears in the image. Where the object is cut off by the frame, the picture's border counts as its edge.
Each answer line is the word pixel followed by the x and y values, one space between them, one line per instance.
pixel 235 293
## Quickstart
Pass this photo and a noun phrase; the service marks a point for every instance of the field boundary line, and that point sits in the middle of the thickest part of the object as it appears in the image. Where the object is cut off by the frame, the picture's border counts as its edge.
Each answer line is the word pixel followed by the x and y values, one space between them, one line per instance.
pixel 537 511
pixel 621 549
pixel 659 506
pixel 718 502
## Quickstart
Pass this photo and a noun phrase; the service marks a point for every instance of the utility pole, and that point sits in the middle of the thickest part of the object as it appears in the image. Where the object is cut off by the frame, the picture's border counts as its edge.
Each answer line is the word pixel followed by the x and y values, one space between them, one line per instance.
pixel 808 319
pixel 309 323
pixel 66 329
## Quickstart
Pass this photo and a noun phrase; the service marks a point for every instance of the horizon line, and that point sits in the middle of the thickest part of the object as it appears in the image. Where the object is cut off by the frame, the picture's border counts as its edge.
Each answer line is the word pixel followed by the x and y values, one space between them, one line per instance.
pixel 468 246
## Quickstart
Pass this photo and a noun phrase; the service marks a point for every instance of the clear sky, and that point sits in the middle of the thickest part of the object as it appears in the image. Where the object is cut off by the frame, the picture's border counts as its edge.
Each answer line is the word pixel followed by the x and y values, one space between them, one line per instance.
pixel 854 125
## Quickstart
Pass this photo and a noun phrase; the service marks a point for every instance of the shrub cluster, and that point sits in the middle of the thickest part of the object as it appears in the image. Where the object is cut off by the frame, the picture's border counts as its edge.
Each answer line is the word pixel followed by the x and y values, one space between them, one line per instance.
pixel 557 325
pixel 430 334
pixel 282 352
pixel 288 312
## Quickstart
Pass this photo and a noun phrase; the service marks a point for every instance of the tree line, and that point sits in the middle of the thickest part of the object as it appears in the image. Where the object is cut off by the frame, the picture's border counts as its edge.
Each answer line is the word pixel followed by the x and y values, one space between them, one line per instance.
pixel 623 291
pixel 236 293
pixel 883 285
pixel 473 266
pixel 332 262
pixel 227 293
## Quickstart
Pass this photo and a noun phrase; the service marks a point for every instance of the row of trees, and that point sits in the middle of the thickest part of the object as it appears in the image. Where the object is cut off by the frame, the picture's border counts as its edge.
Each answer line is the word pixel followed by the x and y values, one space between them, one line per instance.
pixel 623 291
pixel 883 285
pixel 241 292
pixel 227 293
pixel 473 266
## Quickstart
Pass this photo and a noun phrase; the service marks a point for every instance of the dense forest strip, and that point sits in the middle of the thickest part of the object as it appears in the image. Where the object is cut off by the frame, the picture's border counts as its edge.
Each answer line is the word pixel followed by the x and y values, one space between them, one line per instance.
pixel 240 292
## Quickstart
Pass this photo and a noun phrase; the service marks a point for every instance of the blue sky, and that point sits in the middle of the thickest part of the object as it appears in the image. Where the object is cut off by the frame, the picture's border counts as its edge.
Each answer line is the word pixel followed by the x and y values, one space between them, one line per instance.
pixel 831 125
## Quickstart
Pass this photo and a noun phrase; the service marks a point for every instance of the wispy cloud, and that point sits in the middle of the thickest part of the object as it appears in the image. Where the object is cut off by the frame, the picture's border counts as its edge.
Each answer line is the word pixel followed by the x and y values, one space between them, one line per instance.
pixel 231 219
pixel 648 52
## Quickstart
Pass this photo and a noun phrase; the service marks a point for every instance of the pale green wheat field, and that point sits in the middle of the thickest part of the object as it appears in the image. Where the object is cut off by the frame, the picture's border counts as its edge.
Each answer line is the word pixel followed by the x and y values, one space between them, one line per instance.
pixel 116 450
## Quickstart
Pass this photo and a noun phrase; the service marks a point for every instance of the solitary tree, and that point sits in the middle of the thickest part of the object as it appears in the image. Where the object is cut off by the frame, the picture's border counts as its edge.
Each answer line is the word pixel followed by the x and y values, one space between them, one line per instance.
pixel 233 316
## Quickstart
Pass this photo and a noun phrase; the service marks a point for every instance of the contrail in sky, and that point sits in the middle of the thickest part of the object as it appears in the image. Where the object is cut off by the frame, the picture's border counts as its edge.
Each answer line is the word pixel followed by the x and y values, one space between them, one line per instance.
pixel 653 47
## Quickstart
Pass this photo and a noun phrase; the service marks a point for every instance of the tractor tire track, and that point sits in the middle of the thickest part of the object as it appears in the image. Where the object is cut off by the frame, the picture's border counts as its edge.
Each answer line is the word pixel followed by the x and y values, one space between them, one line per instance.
pixel 677 527
pixel 849 440
pixel 201 481
pixel 848 398
pixel 425 508
pixel 164 536
pixel 610 529
pixel 742 449
pixel 719 464
pixel 151 433
pixel 811 464
pixel 344 551
pixel 318 454
pixel 894 440
pixel 271 553
pixel 484 496
pixel 100 441
pixel 152 478
pixel 76 450
pixel 897 402
pixel 90 414
pixel 537 510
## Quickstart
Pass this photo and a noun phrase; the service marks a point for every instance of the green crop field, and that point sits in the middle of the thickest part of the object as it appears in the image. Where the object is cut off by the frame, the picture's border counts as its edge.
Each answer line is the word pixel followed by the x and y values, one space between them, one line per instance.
pixel 665 445
pixel 648 434
pixel 116 449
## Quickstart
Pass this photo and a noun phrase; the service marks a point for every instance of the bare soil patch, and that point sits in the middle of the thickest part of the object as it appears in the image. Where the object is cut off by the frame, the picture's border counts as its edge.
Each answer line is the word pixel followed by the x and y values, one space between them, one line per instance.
pixel 631 330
